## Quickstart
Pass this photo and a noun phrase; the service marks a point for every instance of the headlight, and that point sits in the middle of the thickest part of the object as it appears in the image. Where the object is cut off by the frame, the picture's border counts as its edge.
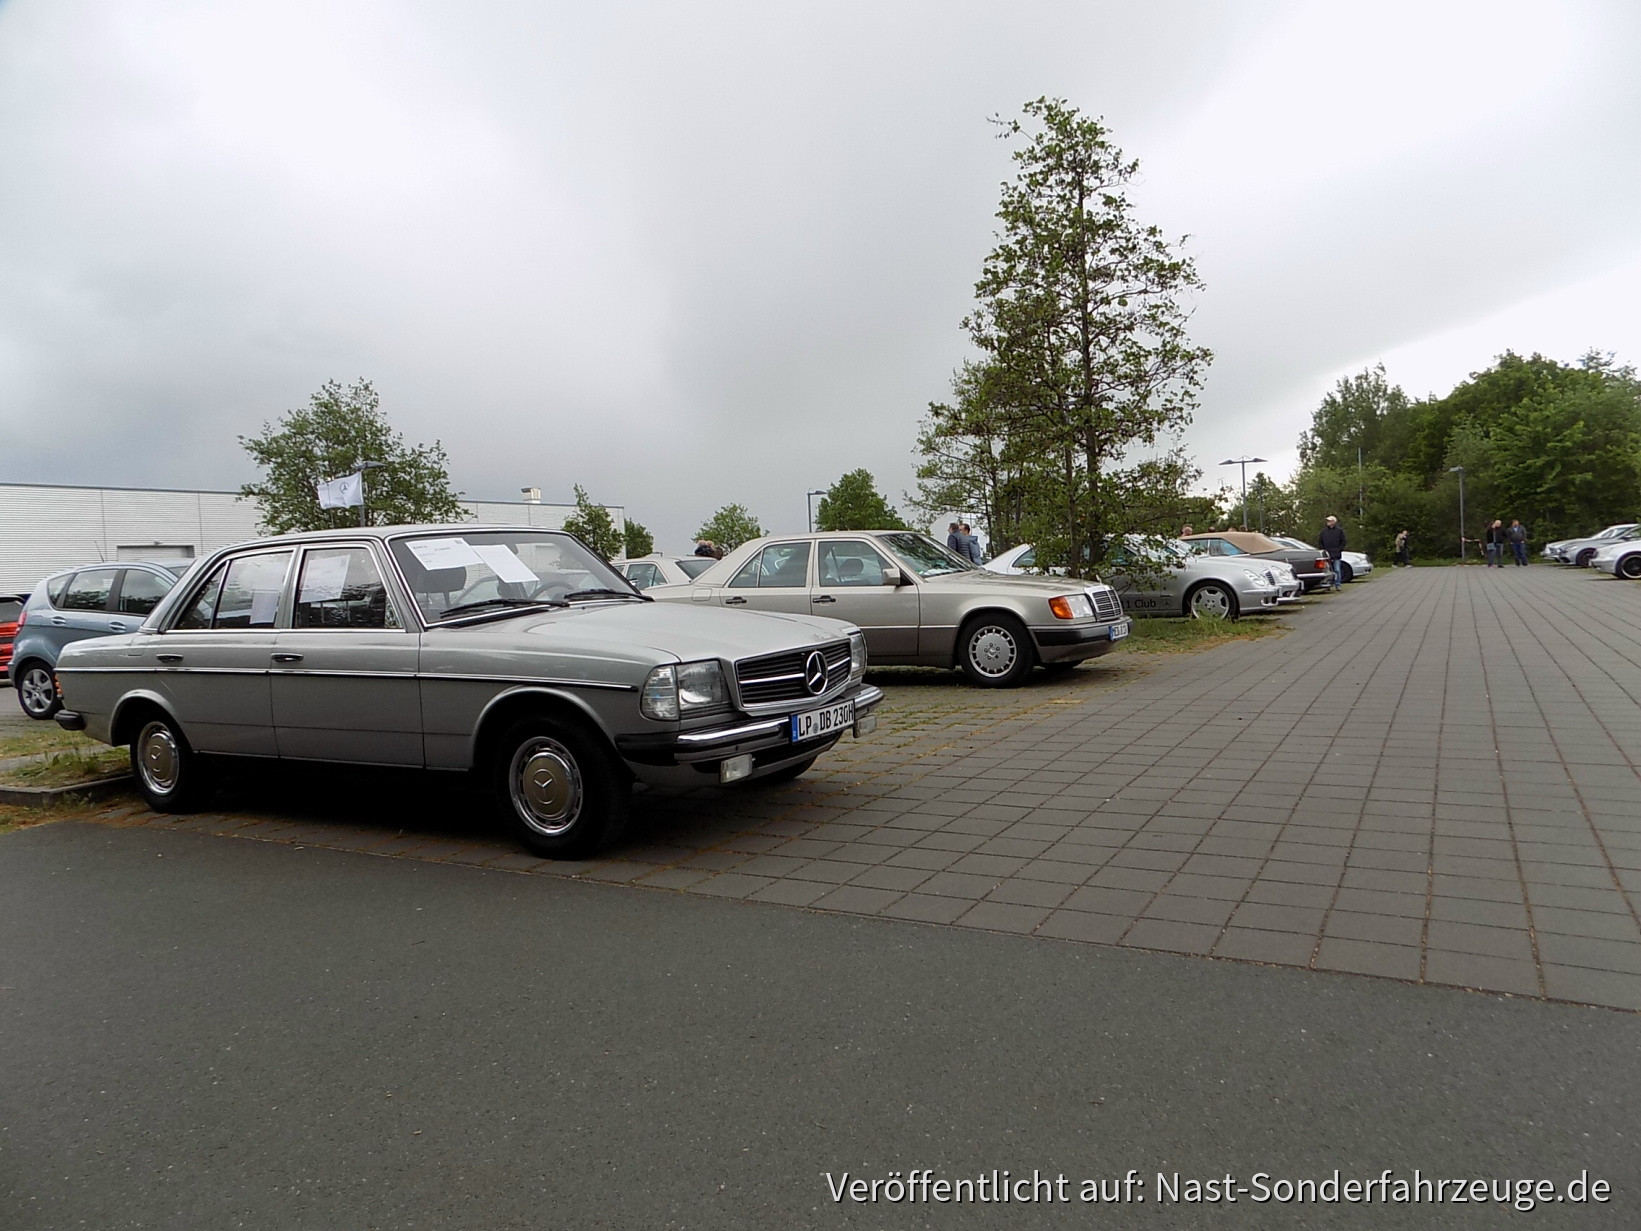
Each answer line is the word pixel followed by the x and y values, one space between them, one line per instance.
pixel 1254 577
pixel 1071 607
pixel 857 655
pixel 701 686
pixel 659 699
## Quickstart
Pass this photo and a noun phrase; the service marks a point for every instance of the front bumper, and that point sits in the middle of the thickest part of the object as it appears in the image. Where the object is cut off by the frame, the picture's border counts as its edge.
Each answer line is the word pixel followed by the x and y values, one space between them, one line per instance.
pixel 1061 644
pixel 768 739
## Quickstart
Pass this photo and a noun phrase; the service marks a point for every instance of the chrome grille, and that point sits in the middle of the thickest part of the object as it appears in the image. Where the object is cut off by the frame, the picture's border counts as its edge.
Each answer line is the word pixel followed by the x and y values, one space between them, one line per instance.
pixel 779 677
pixel 1106 604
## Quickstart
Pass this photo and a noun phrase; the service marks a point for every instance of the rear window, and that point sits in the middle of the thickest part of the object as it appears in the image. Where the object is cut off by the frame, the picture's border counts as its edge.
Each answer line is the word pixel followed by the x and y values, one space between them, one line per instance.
pixel 694 566
pixel 89 590
pixel 10 609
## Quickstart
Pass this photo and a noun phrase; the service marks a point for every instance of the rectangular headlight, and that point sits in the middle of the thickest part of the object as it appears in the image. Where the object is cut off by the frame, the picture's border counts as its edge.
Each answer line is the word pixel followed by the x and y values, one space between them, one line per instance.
pixel 1071 607
pixel 659 698
pixel 701 686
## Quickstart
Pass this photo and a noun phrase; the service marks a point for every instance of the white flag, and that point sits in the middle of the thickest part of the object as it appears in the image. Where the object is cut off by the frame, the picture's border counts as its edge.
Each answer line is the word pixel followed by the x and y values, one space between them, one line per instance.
pixel 345 493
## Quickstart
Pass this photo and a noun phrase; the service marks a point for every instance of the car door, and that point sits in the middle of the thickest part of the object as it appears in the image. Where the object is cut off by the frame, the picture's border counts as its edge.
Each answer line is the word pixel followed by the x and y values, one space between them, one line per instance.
pixel 776 579
pixel 213 662
pixel 849 585
pixel 344 673
pixel 82 610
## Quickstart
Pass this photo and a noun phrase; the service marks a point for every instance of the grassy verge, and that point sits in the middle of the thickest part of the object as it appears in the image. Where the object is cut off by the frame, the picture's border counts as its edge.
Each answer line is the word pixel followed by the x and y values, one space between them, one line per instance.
pixel 14 816
pixel 1162 635
pixel 48 737
pixel 68 767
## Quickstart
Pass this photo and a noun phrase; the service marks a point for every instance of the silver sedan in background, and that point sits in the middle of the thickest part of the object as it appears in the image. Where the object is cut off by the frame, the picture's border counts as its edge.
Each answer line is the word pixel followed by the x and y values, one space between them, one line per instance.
pixel 1164 577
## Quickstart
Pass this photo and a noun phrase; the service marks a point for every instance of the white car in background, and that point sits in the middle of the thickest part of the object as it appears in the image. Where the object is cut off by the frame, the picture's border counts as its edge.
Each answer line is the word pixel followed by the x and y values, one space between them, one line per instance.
pixel 655 569
pixel 1356 562
pixel 1579 551
pixel 1176 581
pixel 1621 559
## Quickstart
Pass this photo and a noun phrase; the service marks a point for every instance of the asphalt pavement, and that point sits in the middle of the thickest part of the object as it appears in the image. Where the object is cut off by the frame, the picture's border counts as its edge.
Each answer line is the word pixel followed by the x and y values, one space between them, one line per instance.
pixel 199 1033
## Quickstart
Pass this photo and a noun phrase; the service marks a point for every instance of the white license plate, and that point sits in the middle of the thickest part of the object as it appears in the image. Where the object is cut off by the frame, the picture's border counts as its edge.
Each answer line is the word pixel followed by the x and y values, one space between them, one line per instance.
pixel 1119 631
pixel 813 724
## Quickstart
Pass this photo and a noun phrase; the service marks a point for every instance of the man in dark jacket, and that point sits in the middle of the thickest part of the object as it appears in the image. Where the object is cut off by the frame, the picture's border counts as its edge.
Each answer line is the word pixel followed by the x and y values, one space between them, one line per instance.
pixel 1332 542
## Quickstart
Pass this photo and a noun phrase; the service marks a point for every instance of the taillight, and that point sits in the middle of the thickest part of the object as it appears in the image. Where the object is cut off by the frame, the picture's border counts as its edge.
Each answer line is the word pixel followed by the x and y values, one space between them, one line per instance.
pixel 22 618
pixel 1323 565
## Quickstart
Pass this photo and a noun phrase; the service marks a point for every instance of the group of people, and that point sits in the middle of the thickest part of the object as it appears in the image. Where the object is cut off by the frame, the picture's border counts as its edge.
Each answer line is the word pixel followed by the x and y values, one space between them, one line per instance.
pixel 1498 536
pixel 964 542
pixel 706 547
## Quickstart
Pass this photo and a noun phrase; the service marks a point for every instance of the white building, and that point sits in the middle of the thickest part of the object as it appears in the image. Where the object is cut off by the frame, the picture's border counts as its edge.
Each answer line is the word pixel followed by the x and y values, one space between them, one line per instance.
pixel 45 527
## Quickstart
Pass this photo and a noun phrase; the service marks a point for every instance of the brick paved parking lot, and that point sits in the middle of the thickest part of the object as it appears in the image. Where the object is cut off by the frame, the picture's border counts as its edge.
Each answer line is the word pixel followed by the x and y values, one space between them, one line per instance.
pixel 1431 777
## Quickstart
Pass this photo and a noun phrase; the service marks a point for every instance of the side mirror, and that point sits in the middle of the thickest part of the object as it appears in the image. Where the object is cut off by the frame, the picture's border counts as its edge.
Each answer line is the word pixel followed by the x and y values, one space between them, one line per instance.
pixel 893 576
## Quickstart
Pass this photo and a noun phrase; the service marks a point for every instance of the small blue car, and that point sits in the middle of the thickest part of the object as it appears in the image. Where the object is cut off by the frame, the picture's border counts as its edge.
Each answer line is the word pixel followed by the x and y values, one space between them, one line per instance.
pixel 96 600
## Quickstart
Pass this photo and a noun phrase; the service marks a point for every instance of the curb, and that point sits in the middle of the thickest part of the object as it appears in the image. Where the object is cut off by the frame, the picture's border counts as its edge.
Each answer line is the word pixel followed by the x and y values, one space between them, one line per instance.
pixel 44 796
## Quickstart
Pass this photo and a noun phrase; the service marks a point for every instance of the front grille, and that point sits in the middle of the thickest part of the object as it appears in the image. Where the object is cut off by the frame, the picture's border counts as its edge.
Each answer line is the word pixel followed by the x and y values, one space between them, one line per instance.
pixel 1106 604
pixel 779 677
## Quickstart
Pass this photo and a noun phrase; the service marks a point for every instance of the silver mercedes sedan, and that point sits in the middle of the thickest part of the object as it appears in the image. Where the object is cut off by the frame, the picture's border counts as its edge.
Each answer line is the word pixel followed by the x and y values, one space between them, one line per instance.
pixel 513 653
pixel 918 603
pixel 1164 577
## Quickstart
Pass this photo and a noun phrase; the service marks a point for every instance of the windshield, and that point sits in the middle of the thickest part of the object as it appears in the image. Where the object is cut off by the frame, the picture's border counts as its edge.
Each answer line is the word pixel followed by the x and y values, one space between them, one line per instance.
pixel 451 574
pixel 924 556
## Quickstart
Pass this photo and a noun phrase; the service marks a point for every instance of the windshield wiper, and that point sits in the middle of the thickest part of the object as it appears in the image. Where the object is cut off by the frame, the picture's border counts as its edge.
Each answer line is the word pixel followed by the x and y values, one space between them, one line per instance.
pixel 602 593
pixel 482 604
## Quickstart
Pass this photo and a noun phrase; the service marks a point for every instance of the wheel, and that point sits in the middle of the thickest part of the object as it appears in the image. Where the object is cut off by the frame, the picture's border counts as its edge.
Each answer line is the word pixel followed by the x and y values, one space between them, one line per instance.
pixel 563 793
pixel 169 774
pixel 1346 572
pixel 1583 559
pixel 1211 601
pixel 994 651
pixel 1630 566
pixel 785 773
pixel 37 691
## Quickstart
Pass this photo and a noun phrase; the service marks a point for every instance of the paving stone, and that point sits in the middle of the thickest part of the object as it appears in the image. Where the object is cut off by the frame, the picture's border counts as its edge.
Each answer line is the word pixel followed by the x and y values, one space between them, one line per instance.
pixel 1604 987
pixel 1479 939
pixel 1492 974
pixel 1280 948
pixel 1003 917
pixel 926 909
pixel 1103 901
pixel 1175 937
pixel 1385 929
pixel 1271 917
pixel 857 899
pixel 1368 958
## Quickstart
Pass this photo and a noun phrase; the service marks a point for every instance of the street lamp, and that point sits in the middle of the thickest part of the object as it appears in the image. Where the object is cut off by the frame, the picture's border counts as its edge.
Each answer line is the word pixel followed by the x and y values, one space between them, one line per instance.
pixel 1244 462
pixel 1459 470
pixel 809 503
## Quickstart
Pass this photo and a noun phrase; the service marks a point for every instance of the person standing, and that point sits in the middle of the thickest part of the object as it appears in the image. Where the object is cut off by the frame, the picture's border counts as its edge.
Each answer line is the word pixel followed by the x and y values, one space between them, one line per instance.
pixel 1494 537
pixel 1332 542
pixel 1186 532
pixel 970 545
pixel 952 541
pixel 1518 542
pixel 1403 558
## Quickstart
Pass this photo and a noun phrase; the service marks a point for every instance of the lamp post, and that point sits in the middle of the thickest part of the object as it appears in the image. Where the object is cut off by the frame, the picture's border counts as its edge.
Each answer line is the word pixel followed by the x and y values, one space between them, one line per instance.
pixel 1244 462
pixel 809 503
pixel 364 466
pixel 1459 470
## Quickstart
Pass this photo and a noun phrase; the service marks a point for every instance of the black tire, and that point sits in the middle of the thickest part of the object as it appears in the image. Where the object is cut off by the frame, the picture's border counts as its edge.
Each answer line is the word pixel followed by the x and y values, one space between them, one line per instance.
pixel 37 690
pixel 785 774
pixel 1346 573
pixel 995 651
pixel 563 793
pixel 1630 566
pixel 170 775
pixel 1583 558
pixel 1212 600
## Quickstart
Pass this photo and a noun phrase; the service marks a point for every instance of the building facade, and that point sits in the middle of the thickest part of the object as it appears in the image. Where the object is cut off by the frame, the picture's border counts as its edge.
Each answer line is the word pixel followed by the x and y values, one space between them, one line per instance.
pixel 45 527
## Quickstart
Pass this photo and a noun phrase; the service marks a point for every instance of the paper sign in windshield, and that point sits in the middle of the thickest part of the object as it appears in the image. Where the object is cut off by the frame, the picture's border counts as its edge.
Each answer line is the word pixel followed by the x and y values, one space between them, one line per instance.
pixel 503 563
pixel 323 578
pixel 444 553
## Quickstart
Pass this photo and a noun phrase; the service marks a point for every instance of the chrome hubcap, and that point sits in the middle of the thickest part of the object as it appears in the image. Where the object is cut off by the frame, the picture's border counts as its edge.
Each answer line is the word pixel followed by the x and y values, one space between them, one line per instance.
pixel 36 690
pixel 993 651
pixel 545 785
pixel 1211 603
pixel 158 758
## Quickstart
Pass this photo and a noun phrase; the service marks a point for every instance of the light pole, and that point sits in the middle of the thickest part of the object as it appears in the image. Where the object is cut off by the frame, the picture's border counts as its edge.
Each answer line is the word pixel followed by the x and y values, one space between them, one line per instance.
pixel 364 466
pixel 1244 462
pixel 1459 470
pixel 809 503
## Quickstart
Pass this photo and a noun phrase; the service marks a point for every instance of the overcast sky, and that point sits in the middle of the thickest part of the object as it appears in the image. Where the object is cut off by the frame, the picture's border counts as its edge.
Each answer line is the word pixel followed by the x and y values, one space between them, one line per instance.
pixel 686 254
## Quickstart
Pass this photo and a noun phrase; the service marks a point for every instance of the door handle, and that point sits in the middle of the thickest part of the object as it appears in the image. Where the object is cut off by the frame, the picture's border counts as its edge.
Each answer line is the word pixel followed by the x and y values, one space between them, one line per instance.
pixel 737 601
pixel 60 621
pixel 823 598
pixel 118 626
pixel 169 658
pixel 287 658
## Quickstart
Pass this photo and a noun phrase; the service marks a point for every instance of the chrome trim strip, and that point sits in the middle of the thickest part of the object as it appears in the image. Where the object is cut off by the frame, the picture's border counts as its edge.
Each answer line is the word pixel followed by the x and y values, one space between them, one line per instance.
pixel 525 679
pixel 723 734
pixel 392 675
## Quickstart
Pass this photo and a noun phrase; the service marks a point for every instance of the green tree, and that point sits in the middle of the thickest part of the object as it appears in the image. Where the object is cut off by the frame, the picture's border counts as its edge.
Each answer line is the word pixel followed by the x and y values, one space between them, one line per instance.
pixel 593 525
pixel 1080 319
pixel 640 542
pixel 731 526
pixel 330 437
pixel 854 503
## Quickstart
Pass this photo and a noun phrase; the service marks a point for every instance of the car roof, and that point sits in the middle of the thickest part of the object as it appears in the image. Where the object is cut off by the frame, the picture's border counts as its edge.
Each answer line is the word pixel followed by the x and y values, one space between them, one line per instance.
pixel 1248 540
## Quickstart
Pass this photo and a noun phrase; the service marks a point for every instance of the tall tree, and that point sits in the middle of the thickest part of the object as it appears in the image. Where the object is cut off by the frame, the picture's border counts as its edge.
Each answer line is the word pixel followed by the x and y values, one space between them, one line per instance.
pixel 1081 319
pixel 854 503
pixel 640 542
pixel 730 526
pixel 339 429
pixel 593 525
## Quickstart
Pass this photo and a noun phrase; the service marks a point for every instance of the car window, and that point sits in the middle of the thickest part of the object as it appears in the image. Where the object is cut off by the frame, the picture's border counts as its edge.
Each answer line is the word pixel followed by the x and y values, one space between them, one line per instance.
pixel 694 566
pixel 643 575
pixel 779 564
pixel 55 589
pixel 850 562
pixel 241 593
pixel 1026 559
pixel 924 556
pixel 341 587
pixel 10 608
pixel 141 591
pixel 447 572
pixel 89 590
